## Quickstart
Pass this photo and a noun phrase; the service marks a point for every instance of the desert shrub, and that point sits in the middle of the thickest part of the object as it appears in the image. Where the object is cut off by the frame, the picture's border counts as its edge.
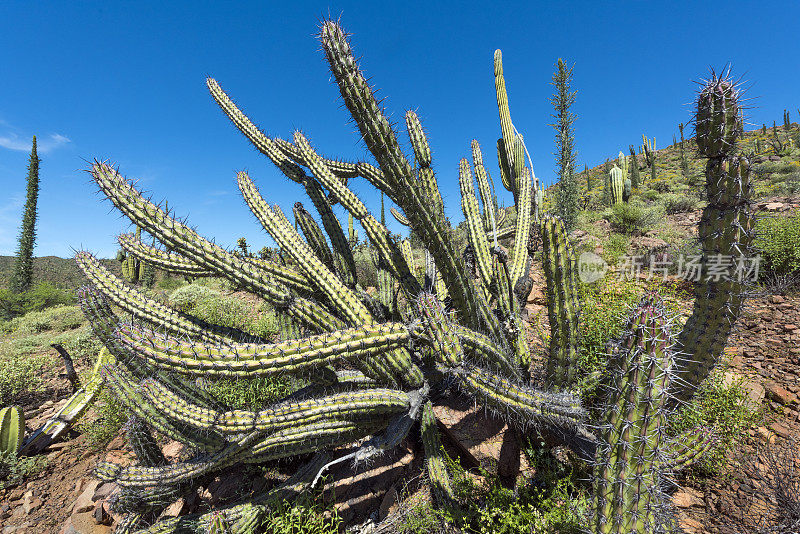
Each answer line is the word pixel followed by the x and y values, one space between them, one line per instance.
pixel 651 194
pixel 210 305
pixel 58 318
pixel 110 416
pixel 21 373
pixel 306 516
pixel 251 394
pixel 721 406
pixel 170 283
pixel 634 217
pixel 605 305
pixel 615 247
pixel 662 185
pixel 41 296
pixel 14 470
pixel 778 242
pixel 366 270
pixel 675 203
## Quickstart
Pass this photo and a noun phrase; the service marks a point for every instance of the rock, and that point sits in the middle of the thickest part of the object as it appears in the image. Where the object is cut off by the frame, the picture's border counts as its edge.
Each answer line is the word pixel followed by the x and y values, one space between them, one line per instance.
pixel 790 327
pixel 172 450
pixel 175 509
pixel 104 491
pixel 780 430
pixel 84 503
pixel 101 516
pixel 688 498
pixel 480 437
pixel 84 523
pixel 776 299
pixel 777 393
pixel 765 435
pixel 359 494
pixel 774 206
pixel 691 526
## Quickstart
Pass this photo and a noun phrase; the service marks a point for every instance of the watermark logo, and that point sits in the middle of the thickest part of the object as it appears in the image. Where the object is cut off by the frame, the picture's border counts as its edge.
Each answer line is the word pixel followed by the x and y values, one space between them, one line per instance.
pixel 711 268
pixel 591 267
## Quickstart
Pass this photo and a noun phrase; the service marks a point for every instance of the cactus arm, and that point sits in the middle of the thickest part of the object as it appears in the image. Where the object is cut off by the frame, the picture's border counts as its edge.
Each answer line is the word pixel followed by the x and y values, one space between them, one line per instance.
pixel 725 229
pixel 399 217
pixel 166 261
pixel 382 142
pixel 124 386
pixel 519 257
pixel 314 236
pixel 242 359
pixel 513 167
pixel 625 480
pixel 202 252
pixel 147 309
pixel 434 457
pixel 343 254
pixel 422 154
pixel 485 189
pixel 562 303
pixel 477 234
pixel 351 405
pixel 446 344
pixel 137 476
pixel 12 430
pixel 520 403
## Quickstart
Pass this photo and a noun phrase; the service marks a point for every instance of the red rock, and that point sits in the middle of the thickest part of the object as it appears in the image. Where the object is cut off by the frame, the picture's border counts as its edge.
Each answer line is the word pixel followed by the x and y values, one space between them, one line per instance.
pixel 687 498
pixel 777 393
pixel 84 503
pixel 781 430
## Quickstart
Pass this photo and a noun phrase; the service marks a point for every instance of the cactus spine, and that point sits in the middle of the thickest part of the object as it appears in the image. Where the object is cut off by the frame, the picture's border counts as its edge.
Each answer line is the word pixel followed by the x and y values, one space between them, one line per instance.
pixel 454 325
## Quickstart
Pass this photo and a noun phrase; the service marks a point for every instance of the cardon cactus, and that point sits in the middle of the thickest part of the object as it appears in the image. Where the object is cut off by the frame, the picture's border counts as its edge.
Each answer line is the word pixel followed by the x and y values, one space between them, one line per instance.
pixel 12 430
pixel 377 366
pixel 616 185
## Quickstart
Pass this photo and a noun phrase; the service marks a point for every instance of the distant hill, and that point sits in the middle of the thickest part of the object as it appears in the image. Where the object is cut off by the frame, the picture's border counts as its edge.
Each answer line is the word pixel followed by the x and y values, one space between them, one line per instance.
pixel 61 272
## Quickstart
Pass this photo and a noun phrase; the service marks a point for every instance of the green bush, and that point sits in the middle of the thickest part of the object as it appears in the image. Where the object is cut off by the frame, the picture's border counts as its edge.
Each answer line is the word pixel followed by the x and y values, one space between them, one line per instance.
pixel 210 305
pixel 14 470
pixel 252 394
pixel 675 203
pixel 651 194
pixel 111 415
pixel 615 247
pixel 41 296
pixel 724 407
pixel 22 373
pixel 634 217
pixel 778 242
pixel 58 318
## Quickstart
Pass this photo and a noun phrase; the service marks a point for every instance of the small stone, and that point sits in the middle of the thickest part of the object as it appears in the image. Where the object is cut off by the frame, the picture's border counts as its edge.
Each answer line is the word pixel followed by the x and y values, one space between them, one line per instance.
pixel 790 327
pixel 175 509
pixel 84 503
pixel 781 430
pixel 104 490
pixel 776 299
pixel 688 498
pixel 765 434
pixel 779 394
pixel 774 206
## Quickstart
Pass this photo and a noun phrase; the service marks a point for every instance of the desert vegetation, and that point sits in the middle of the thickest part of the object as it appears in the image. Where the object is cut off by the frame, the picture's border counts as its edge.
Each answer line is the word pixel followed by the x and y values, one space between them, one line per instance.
pixel 342 352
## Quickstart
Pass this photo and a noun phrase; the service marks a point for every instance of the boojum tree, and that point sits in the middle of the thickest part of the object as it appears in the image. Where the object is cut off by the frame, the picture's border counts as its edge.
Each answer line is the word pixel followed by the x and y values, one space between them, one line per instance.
pixel 378 364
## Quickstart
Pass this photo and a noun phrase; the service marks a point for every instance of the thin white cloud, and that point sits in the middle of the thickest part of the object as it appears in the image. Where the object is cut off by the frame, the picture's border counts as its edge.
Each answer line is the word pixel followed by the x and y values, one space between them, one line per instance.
pixel 13 141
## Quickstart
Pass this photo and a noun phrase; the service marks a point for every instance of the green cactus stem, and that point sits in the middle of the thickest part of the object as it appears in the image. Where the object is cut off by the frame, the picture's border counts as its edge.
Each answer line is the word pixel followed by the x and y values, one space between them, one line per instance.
pixel 12 430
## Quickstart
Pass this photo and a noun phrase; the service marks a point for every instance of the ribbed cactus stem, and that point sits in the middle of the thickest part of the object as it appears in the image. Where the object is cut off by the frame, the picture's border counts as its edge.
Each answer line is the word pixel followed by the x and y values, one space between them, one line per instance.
pixel 617 184
pixel 12 430
pixel 725 231
pixel 626 478
pixel 562 303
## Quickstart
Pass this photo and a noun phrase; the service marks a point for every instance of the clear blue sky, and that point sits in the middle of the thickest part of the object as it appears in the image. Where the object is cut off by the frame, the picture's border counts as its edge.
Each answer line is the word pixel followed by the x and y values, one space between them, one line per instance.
pixel 125 82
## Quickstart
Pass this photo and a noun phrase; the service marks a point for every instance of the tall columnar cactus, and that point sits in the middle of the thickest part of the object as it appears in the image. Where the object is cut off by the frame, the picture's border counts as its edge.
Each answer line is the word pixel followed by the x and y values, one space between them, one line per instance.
pixel 634 168
pixel 616 185
pixel 378 365
pixel 12 430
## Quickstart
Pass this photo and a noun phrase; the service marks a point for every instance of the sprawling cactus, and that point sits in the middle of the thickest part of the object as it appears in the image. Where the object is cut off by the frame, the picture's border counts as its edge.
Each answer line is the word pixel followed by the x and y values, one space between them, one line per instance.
pixel 377 365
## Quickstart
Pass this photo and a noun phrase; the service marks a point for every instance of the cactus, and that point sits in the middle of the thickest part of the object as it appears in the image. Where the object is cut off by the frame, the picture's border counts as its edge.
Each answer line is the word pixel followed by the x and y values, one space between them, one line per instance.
pixel 12 430
pixel 616 185
pixel 377 365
